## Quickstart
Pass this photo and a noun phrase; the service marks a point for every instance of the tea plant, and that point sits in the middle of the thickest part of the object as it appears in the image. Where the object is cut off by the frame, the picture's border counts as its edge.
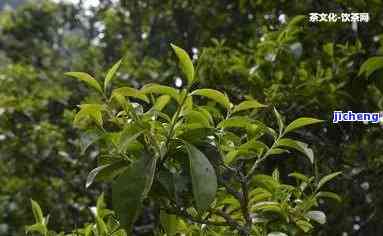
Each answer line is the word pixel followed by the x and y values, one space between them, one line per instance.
pixel 197 157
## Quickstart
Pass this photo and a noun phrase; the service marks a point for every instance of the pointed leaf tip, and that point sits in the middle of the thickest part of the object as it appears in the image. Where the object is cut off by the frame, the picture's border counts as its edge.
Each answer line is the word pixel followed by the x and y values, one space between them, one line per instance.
pixel 111 72
pixel 185 63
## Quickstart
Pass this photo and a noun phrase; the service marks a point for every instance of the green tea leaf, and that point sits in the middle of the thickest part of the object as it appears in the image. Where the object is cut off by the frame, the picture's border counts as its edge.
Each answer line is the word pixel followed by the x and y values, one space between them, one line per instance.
pixel 300 122
pixel 161 102
pixel 92 111
pixel 106 172
pixel 304 225
pixel 169 223
pixel 254 144
pixel 193 116
pixel 112 170
pixel 161 89
pixel 266 182
pixel 204 179
pixel 328 48
pixel 297 20
pixel 128 135
pixel 110 75
pixel 327 178
pixel 299 176
pixel 88 79
pixel 299 146
pixel 185 63
pixel 39 227
pixel 246 105
pixel 276 234
pixel 214 95
pixel 371 65
pixel 37 212
pixel 130 189
pixel 279 120
pixel 317 216
pixel 130 92
pixel 258 195
pixel 267 206
pixel 92 175
pixel 276 174
pixel 89 137
pixel 102 229
pixel 331 195
pixel 277 151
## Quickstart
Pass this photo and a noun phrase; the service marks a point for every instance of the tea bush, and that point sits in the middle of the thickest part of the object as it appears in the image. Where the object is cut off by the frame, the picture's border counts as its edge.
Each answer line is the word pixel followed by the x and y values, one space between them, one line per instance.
pixel 195 158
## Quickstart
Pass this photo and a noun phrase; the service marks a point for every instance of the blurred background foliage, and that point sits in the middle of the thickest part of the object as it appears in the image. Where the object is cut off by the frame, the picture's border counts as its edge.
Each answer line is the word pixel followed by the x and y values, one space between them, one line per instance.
pixel 245 47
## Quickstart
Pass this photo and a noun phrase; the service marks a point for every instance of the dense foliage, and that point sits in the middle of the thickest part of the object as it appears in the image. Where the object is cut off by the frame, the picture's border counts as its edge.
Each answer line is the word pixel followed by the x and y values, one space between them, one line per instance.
pixel 255 48
pixel 223 189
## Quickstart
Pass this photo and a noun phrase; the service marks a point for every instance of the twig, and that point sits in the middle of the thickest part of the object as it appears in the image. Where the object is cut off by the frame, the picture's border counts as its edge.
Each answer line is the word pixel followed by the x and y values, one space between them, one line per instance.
pixel 186 215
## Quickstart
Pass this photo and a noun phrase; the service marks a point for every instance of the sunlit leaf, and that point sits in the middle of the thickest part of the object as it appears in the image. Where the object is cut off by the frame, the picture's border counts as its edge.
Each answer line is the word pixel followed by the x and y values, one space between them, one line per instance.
pixel 304 225
pixel 92 175
pixel 267 206
pixel 258 195
pixel 266 182
pixel 88 138
pixel 331 195
pixel 102 229
pixel 130 92
pixel 299 176
pixel 278 151
pixel 38 227
pixel 169 223
pixel 279 120
pixel 215 95
pixel 110 75
pixel 193 116
pixel 128 135
pixel 254 144
pixel 299 146
pixel 37 212
pixel 297 20
pixel 246 105
pixel 88 79
pixel 300 122
pixel 276 234
pixel 327 178
pixel 276 174
pixel 161 102
pixel 161 89
pixel 185 63
pixel 317 216
pixel 371 65
pixel 89 111
pixel 105 172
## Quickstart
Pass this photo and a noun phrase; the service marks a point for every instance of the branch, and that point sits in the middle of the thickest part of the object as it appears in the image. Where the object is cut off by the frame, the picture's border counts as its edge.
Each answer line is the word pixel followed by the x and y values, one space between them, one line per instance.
pixel 259 160
pixel 184 214
pixel 245 199
pixel 229 189
pixel 230 221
